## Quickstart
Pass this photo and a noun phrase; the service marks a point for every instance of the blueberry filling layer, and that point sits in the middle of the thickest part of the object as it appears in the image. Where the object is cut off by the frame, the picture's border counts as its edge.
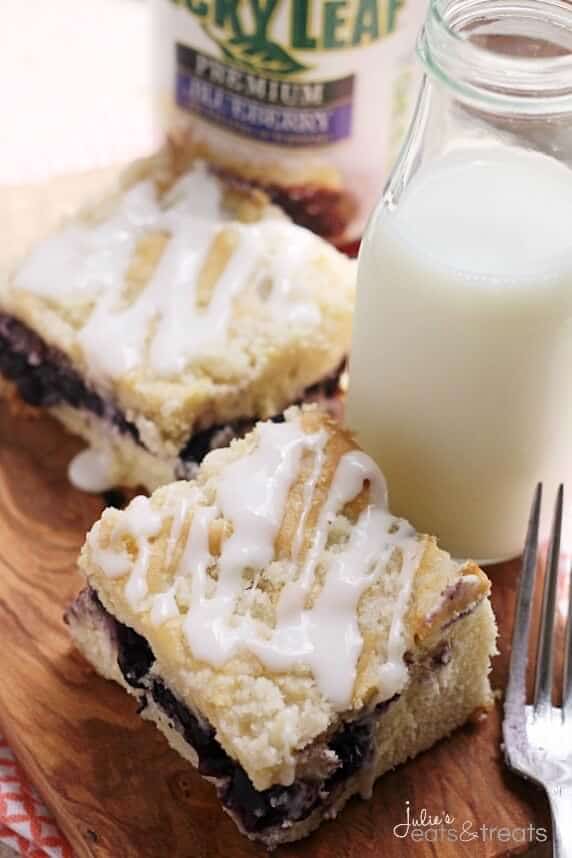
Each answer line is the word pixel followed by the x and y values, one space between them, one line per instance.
pixel 325 211
pixel 257 810
pixel 134 656
pixel 44 378
pixel 353 745
pixel 325 393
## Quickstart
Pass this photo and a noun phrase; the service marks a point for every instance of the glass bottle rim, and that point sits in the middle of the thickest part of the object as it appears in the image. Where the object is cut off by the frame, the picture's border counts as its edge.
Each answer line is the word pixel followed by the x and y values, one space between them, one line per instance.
pixel 486 78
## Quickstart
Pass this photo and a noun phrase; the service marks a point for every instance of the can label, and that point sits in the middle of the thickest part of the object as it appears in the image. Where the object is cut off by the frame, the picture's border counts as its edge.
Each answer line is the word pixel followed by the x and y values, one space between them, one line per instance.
pixel 294 114
pixel 317 90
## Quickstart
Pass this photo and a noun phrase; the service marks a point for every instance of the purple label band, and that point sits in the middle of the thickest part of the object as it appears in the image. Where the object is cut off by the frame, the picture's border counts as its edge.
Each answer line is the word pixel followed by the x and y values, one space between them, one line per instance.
pixel 289 126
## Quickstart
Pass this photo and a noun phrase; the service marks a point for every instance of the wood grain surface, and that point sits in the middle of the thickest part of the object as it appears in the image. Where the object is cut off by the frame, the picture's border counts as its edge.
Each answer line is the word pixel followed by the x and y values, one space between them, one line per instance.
pixel 115 787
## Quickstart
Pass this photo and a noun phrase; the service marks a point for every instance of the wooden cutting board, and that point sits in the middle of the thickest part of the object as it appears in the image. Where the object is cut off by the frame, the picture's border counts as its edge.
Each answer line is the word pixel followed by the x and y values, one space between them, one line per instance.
pixel 114 785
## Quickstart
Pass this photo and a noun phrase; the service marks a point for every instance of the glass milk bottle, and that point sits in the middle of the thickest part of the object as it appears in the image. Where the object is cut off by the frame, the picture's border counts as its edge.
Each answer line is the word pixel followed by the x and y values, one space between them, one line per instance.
pixel 461 366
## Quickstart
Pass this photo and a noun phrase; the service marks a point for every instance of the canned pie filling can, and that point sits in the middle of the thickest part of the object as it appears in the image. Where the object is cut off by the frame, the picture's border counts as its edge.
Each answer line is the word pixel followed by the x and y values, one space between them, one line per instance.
pixel 306 99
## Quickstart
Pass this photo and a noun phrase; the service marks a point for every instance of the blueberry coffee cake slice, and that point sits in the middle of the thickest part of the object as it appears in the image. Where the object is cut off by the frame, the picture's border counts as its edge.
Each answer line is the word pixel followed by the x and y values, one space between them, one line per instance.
pixel 171 318
pixel 290 637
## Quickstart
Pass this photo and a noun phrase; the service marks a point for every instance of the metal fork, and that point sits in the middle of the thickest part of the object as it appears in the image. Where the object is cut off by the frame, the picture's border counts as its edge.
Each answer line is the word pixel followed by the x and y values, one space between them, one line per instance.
pixel 538 737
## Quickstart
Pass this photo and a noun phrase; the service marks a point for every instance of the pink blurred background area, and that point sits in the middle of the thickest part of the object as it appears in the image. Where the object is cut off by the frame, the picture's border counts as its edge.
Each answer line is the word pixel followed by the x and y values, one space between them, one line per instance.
pixel 76 106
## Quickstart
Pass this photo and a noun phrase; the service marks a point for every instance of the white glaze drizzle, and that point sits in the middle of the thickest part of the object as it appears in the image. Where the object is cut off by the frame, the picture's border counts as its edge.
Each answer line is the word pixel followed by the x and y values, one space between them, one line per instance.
pixel 180 512
pixel 163 326
pixel 91 470
pixel 83 260
pixel 114 564
pixel 140 522
pixel 252 494
pixel 308 494
pixel 393 674
pixel 287 299
pixel 164 607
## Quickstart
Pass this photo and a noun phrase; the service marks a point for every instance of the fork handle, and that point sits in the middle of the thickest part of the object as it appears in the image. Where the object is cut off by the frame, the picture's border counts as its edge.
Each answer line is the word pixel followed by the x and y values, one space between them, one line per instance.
pixel 561 808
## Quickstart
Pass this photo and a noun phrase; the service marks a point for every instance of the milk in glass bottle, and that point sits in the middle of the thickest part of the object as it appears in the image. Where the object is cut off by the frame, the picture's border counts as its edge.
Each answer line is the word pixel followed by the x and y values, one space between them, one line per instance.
pixel 461 367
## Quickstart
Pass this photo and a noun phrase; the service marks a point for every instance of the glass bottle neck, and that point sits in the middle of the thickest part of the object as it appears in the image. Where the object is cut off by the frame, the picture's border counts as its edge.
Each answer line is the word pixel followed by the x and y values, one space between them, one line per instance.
pixel 505 57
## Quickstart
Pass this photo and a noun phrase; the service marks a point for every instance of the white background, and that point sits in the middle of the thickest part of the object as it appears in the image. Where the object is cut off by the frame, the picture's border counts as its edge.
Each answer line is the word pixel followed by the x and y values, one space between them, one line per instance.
pixel 74 106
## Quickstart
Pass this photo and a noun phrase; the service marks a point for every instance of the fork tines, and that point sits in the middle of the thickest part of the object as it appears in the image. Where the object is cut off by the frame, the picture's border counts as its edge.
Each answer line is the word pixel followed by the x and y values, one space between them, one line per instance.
pixel 516 689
